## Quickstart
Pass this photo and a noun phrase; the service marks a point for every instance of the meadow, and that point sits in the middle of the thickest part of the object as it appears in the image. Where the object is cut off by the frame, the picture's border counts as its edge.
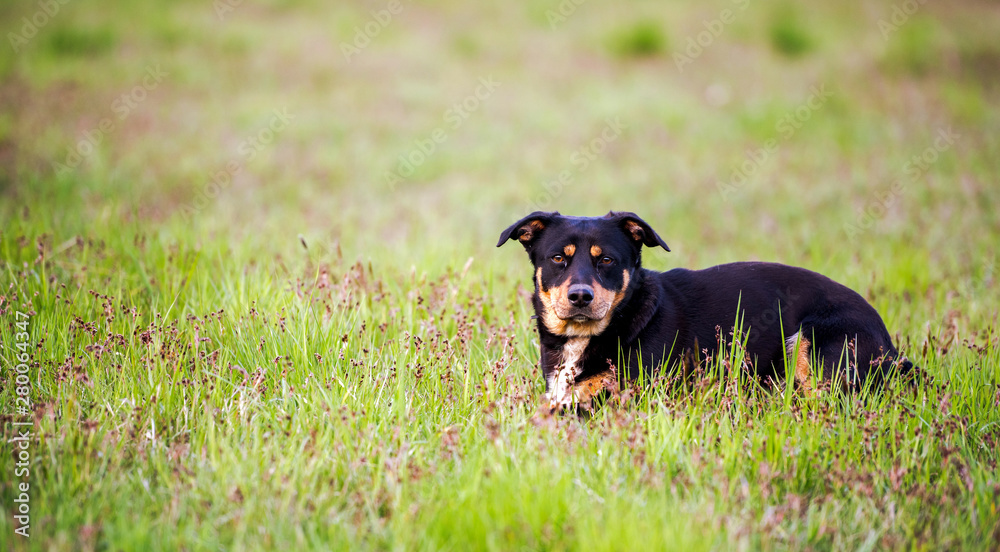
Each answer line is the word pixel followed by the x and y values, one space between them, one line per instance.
pixel 250 297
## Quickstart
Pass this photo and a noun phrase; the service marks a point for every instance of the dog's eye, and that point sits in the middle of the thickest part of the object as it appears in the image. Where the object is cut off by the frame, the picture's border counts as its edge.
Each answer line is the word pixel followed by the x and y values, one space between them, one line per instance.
pixel 606 261
pixel 558 259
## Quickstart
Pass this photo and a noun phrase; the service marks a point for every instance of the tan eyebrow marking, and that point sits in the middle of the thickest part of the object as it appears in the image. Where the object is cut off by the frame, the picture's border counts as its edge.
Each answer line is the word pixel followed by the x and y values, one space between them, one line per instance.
pixel 595 251
pixel 569 250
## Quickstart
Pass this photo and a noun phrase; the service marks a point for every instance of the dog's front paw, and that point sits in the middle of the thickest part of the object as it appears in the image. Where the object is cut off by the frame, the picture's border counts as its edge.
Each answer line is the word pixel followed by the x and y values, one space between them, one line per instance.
pixel 588 388
pixel 555 402
pixel 578 395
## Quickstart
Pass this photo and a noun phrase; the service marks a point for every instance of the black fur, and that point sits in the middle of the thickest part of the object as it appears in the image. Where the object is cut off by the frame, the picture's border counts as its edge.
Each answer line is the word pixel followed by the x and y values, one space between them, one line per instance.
pixel 664 316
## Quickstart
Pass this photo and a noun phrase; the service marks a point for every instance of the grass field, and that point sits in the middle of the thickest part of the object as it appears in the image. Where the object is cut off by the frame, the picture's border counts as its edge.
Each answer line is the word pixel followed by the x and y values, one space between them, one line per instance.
pixel 250 288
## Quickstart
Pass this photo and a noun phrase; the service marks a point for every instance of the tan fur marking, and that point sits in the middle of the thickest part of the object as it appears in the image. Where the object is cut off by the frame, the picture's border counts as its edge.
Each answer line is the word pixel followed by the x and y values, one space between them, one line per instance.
pixel 603 295
pixel 527 231
pixel 586 389
pixel 798 348
pixel 584 329
pixel 635 229
pixel 620 294
pixel 569 250
pixel 555 298
pixel 551 298
pixel 595 251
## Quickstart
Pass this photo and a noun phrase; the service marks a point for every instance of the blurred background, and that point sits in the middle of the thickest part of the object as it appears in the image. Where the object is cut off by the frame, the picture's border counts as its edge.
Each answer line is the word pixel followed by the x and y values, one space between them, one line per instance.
pixel 855 138
pixel 256 239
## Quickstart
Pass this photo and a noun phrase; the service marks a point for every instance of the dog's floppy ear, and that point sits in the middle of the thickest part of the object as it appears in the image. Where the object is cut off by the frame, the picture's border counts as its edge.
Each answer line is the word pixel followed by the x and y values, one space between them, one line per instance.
pixel 527 229
pixel 637 229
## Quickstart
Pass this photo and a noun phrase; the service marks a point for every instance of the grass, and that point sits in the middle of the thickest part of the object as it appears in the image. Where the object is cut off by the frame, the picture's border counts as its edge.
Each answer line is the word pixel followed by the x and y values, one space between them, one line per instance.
pixel 641 39
pixel 314 358
pixel 789 34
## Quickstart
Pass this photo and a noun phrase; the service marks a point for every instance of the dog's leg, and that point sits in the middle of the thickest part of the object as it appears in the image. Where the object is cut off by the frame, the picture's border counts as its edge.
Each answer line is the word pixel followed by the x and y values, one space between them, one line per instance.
pixel 797 348
pixel 589 387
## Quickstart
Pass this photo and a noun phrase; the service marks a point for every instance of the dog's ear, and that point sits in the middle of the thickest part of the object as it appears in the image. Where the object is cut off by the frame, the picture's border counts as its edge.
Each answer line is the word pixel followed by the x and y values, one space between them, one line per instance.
pixel 637 229
pixel 528 229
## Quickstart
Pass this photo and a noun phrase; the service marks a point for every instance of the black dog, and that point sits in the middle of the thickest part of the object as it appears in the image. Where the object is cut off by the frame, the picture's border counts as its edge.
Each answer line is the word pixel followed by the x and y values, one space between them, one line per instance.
pixel 597 307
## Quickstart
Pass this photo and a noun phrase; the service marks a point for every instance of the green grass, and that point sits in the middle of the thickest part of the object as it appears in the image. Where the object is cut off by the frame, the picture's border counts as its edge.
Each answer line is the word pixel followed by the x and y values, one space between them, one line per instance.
pixel 790 35
pixel 641 39
pixel 315 359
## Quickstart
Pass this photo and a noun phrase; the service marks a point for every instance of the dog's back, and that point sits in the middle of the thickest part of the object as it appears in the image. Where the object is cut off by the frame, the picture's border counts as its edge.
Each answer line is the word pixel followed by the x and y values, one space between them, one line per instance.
pixel 775 303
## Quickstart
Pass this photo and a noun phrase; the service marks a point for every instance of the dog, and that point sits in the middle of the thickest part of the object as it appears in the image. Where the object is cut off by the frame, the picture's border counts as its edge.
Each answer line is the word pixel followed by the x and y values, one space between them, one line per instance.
pixel 598 309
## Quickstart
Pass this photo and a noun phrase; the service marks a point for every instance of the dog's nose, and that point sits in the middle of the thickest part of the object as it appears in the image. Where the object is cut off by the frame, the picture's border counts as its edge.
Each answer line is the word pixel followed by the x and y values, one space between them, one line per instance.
pixel 580 295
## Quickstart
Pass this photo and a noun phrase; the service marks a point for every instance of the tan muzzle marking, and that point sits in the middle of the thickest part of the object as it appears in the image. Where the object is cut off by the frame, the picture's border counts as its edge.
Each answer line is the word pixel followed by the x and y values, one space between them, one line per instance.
pixel 556 308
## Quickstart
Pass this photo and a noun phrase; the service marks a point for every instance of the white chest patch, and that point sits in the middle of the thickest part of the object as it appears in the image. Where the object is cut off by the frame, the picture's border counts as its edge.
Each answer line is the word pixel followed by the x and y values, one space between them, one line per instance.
pixel 561 382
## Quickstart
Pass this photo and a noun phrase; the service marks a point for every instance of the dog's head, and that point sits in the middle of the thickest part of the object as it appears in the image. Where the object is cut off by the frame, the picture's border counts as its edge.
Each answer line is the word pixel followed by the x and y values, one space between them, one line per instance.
pixel 583 266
